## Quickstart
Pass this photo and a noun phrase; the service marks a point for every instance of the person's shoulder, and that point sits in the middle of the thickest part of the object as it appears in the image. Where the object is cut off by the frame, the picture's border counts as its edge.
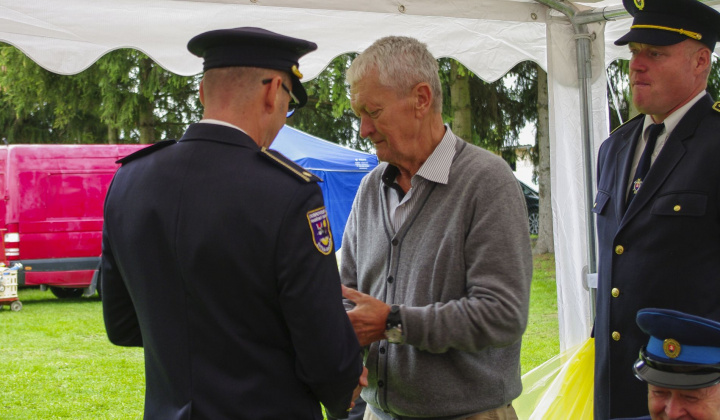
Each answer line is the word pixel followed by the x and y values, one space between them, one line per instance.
pixel 628 125
pixel 288 167
pixel 146 151
pixel 716 110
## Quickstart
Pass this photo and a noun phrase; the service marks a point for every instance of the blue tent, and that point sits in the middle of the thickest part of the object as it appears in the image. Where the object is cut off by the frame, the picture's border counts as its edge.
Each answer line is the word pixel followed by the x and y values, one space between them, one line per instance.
pixel 340 168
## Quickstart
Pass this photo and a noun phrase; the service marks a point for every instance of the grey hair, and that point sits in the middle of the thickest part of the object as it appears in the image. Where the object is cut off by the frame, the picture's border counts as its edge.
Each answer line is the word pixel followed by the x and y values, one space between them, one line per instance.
pixel 401 62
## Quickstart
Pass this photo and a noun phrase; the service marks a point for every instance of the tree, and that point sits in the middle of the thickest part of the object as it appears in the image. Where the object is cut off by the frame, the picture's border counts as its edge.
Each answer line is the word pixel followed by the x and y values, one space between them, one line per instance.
pixel 123 97
pixel 497 111
pixel 545 242
pixel 328 114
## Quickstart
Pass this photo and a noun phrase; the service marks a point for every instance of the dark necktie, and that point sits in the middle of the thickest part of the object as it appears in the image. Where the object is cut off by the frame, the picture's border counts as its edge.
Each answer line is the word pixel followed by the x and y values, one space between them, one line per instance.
pixel 644 163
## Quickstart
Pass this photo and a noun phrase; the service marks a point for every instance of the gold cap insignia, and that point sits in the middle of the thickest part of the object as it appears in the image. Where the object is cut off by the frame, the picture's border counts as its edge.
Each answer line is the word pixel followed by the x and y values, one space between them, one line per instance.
pixel 640 4
pixel 671 348
pixel 296 72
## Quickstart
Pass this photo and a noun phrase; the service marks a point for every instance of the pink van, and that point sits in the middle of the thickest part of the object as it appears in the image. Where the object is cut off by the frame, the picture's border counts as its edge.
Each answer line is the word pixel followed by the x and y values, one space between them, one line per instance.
pixel 53 212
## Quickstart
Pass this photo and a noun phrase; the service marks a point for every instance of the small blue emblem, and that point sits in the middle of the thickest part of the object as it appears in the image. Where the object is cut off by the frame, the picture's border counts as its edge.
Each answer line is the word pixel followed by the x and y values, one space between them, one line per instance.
pixel 320 227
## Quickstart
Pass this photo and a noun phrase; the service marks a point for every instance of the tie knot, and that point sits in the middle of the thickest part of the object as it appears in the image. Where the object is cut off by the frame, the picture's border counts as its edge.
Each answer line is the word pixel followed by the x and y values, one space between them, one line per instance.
pixel 655 130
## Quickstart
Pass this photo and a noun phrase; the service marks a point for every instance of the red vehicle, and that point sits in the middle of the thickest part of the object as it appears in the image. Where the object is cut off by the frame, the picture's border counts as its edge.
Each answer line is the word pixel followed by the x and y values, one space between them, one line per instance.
pixel 53 212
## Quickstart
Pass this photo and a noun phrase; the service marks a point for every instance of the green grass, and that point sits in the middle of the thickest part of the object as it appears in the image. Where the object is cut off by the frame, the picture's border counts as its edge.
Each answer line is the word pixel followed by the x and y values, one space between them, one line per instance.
pixel 57 363
pixel 541 340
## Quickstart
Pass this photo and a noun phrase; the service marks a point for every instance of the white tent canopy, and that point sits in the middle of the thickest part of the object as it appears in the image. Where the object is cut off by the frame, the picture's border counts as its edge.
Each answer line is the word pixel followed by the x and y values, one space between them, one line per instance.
pixel 487 36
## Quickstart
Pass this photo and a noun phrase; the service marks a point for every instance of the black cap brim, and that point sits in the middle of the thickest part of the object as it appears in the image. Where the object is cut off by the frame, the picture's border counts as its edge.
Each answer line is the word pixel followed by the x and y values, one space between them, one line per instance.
pixel 675 380
pixel 651 37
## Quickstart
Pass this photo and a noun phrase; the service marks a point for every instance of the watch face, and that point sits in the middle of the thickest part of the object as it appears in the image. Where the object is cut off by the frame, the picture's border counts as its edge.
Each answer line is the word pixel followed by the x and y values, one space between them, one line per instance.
pixel 394 335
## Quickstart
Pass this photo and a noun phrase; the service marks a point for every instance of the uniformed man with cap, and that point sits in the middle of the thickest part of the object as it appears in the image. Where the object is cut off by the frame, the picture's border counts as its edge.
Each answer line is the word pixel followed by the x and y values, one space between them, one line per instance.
pixel 218 256
pixel 658 193
pixel 680 364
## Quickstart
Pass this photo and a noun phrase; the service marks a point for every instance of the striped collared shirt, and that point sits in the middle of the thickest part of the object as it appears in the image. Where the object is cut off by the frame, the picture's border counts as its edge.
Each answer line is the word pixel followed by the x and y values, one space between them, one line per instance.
pixel 435 169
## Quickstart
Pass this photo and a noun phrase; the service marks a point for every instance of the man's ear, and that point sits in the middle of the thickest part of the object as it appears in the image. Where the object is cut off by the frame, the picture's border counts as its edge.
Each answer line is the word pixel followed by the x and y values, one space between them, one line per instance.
pixel 270 94
pixel 423 96
pixel 703 60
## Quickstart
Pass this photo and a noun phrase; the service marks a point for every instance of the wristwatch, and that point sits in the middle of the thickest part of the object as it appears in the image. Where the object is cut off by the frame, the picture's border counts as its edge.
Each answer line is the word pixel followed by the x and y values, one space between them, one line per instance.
pixel 393 326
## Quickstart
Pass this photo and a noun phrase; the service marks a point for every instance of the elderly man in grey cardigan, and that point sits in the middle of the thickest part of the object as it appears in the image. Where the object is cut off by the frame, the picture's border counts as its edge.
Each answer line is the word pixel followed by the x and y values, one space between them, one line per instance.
pixel 436 253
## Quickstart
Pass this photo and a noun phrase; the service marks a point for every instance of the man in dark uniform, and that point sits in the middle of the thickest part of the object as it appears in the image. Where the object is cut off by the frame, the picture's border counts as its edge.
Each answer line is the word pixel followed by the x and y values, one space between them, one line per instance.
pixel 680 364
pixel 658 214
pixel 218 257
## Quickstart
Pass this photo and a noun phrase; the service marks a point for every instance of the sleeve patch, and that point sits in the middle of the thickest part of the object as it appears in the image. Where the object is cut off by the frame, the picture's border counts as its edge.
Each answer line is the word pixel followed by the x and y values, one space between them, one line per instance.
pixel 320 229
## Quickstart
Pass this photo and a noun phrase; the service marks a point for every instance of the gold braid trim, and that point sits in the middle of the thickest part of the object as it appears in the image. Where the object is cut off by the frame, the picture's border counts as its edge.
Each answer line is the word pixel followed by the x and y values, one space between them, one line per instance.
pixel 691 34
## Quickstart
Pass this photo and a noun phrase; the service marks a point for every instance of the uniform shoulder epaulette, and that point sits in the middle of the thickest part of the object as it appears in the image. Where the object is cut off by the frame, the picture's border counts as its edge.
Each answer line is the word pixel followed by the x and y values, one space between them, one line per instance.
pixel 627 122
pixel 716 106
pixel 289 166
pixel 146 151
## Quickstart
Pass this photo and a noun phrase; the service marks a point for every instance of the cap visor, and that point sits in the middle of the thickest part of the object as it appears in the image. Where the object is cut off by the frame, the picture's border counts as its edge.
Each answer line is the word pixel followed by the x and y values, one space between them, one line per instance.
pixel 673 379
pixel 651 37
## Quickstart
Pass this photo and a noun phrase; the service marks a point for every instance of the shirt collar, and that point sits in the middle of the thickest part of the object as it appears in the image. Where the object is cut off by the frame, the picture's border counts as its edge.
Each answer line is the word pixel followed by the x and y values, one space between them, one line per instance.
pixel 437 166
pixel 220 122
pixel 673 119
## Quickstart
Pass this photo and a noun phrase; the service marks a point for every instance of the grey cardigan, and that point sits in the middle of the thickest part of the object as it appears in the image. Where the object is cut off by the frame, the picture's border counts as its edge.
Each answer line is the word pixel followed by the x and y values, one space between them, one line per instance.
pixel 461 267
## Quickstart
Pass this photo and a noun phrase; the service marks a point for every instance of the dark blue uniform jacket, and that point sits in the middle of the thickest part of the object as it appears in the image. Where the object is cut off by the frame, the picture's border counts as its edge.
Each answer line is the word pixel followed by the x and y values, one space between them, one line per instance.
pixel 663 253
pixel 211 264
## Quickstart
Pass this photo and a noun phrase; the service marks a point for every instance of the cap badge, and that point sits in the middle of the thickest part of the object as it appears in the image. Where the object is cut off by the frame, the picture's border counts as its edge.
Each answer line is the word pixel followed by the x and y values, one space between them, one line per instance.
pixel 671 348
pixel 296 72
pixel 320 228
pixel 640 4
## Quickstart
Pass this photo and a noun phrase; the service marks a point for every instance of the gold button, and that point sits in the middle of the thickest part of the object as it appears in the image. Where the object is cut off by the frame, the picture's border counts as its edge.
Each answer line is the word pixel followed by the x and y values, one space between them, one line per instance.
pixel 677 207
pixel 615 292
pixel 619 249
pixel 616 336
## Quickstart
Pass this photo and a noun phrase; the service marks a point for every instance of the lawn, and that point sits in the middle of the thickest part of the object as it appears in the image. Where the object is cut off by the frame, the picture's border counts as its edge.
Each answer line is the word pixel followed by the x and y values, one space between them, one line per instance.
pixel 58 364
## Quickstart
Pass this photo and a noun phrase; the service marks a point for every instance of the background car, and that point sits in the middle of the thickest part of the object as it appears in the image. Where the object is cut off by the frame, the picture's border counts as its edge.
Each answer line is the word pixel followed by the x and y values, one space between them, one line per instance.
pixel 532 200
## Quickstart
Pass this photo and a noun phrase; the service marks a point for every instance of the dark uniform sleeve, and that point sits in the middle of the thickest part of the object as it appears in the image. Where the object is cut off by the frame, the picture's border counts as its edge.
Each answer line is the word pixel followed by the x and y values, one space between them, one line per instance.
pixel 121 321
pixel 328 354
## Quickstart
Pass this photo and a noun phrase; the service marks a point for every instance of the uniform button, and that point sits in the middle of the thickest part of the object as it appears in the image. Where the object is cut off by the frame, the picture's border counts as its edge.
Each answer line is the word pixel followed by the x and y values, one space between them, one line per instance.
pixel 382 350
pixel 677 207
pixel 616 336
pixel 615 292
pixel 390 279
pixel 619 249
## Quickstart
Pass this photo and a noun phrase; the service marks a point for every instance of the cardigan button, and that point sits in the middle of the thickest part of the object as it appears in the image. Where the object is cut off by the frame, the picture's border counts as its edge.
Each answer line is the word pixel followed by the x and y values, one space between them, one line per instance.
pixel 395 242
pixel 390 279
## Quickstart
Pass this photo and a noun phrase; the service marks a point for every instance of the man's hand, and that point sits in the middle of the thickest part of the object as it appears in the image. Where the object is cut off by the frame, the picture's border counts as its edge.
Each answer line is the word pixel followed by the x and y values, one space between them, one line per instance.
pixel 368 317
pixel 362 383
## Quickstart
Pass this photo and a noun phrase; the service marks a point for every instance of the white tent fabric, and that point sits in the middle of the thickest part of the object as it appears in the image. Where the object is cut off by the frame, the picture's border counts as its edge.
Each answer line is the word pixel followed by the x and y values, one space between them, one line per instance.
pixel 488 36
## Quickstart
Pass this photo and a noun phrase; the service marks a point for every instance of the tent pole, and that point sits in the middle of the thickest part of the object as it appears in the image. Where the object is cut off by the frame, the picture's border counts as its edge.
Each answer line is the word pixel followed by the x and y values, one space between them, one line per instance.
pixel 583 40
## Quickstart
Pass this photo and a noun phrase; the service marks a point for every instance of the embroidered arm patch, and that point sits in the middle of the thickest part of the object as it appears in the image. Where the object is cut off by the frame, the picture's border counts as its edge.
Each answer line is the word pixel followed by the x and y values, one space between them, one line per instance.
pixel 320 229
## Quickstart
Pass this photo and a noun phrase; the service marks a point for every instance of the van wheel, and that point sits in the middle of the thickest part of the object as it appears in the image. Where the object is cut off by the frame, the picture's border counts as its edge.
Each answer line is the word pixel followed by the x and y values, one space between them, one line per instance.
pixel 66 292
pixel 534 220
